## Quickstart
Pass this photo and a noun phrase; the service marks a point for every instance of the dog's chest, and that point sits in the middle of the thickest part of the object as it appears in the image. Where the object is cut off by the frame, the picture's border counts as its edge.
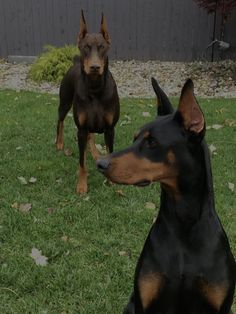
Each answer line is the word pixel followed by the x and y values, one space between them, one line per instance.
pixel 95 117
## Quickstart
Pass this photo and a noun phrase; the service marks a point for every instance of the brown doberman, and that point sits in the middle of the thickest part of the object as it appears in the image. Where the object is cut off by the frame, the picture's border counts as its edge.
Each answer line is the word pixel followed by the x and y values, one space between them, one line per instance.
pixel 186 265
pixel 90 87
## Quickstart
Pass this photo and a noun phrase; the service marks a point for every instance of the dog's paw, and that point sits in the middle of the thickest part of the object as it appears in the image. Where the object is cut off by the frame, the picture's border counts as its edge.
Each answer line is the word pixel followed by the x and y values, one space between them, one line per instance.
pixel 81 188
pixel 59 146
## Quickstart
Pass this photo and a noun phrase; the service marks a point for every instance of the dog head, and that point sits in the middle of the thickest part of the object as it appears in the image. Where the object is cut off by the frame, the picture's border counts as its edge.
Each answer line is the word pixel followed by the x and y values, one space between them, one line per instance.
pixel 93 47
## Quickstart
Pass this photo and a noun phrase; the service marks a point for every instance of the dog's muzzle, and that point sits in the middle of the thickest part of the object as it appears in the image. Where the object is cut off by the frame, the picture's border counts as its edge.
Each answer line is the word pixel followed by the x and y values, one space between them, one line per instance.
pixel 103 164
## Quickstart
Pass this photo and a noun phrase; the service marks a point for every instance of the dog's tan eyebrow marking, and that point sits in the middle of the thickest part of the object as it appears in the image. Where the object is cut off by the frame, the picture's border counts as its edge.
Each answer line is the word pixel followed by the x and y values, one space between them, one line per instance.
pixel 146 134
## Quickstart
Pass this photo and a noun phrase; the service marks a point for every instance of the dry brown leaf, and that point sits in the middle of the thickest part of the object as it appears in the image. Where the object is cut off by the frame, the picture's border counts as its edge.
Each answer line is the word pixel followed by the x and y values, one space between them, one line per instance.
pixel 51 210
pixel 150 205
pixel 25 208
pixel 101 149
pixel 32 180
pixel 22 180
pixel 146 114
pixel 15 205
pixel 230 122
pixel 124 253
pixel 231 186
pixel 39 259
pixel 65 238
pixel 68 152
pixel 120 193
pixel 212 149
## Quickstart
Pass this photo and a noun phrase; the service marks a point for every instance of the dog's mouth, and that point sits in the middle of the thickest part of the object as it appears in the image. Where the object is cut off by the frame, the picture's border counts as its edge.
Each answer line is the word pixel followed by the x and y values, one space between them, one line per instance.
pixel 143 183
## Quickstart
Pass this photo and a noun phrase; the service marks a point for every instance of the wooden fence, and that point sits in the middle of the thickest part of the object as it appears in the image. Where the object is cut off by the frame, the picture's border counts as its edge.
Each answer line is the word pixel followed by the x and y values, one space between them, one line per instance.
pixel 167 30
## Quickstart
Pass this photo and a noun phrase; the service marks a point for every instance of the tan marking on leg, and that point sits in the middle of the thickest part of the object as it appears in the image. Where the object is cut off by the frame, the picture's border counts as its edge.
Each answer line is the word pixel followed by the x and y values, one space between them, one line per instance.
pixel 60 140
pixel 82 118
pixel 93 149
pixel 109 118
pixel 149 287
pixel 214 293
pixel 82 186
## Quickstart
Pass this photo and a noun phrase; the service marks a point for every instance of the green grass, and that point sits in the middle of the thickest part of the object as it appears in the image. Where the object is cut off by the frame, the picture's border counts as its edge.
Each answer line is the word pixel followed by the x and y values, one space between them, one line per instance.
pixel 87 273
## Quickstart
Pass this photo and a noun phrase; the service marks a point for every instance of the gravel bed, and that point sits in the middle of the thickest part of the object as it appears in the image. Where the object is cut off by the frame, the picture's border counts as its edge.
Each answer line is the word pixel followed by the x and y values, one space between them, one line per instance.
pixel 133 78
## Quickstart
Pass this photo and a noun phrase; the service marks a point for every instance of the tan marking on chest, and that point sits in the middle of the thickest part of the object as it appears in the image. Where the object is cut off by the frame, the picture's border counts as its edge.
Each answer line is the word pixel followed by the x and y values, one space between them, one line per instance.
pixel 215 294
pixel 150 286
pixel 82 118
pixel 109 117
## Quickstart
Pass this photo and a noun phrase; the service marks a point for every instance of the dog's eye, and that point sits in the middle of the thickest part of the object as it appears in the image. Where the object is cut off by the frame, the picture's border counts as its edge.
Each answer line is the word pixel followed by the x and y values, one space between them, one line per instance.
pixel 100 47
pixel 151 142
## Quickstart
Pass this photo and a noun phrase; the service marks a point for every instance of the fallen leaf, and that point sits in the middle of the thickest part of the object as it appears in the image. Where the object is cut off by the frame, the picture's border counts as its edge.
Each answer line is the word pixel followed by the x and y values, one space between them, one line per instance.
pixel 212 149
pixel 120 193
pixel 15 205
pixel 221 110
pixel 124 253
pixel 231 186
pixel 127 120
pixel 18 147
pixel 32 180
pixel 101 149
pixel 86 198
pixel 150 205
pixel 25 208
pixel 22 180
pixel 230 122
pixel 214 126
pixel 146 114
pixel 217 126
pixel 39 259
pixel 59 180
pixel 51 210
pixel 65 238
pixel 68 152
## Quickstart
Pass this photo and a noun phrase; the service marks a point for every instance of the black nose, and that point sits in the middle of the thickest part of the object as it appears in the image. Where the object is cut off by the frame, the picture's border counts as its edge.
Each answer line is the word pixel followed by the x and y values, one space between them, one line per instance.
pixel 103 164
pixel 95 67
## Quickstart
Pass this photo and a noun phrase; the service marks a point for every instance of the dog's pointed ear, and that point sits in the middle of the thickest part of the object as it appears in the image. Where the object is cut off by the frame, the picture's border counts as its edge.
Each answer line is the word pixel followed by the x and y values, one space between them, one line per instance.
pixel 83 27
pixel 163 104
pixel 104 29
pixel 192 116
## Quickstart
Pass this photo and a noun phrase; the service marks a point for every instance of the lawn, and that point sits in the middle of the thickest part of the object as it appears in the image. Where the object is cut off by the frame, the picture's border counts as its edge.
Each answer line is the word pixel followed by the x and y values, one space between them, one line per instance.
pixel 92 242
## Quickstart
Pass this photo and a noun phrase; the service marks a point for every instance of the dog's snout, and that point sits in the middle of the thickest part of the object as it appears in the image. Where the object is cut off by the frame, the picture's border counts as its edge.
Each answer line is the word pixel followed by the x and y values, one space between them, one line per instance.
pixel 95 67
pixel 103 164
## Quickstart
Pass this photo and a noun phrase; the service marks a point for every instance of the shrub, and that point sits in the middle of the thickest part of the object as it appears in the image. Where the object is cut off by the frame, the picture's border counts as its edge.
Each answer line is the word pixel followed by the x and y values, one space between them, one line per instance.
pixel 53 63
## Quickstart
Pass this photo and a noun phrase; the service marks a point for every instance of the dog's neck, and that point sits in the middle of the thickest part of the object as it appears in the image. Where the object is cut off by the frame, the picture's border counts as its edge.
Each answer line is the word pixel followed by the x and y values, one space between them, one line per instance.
pixel 196 199
pixel 95 84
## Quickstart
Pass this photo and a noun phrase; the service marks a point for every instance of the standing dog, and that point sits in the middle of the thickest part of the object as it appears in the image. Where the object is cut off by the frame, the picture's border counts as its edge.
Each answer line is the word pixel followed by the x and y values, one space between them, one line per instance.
pixel 186 265
pixel 90 87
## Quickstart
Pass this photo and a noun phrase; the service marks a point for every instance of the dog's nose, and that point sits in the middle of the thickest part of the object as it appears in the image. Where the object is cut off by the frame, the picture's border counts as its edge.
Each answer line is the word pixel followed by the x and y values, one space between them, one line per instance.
pixel 103 164
pixel 95 67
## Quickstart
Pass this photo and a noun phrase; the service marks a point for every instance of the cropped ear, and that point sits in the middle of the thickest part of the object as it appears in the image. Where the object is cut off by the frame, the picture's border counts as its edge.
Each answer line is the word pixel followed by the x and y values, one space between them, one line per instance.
pixel 83 28
pixel 163 104
pixel 193 118
pixel 104 29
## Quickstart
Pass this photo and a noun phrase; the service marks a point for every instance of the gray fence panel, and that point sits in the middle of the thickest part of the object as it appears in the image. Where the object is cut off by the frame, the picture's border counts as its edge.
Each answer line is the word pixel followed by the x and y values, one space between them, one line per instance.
pixel 152 29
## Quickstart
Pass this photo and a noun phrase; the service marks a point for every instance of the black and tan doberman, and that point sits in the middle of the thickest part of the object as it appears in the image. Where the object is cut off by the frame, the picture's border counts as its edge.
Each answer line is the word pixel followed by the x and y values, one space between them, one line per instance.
pixel 186 265
pixel 90 87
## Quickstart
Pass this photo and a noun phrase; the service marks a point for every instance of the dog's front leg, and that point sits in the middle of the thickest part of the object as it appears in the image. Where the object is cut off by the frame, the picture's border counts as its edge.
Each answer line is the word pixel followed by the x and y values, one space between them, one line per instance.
pixel 109 135
pixel 82 187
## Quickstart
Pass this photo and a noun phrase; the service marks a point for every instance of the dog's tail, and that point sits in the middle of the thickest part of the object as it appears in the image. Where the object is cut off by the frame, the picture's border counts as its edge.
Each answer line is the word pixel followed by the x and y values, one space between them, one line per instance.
pixel 164 106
